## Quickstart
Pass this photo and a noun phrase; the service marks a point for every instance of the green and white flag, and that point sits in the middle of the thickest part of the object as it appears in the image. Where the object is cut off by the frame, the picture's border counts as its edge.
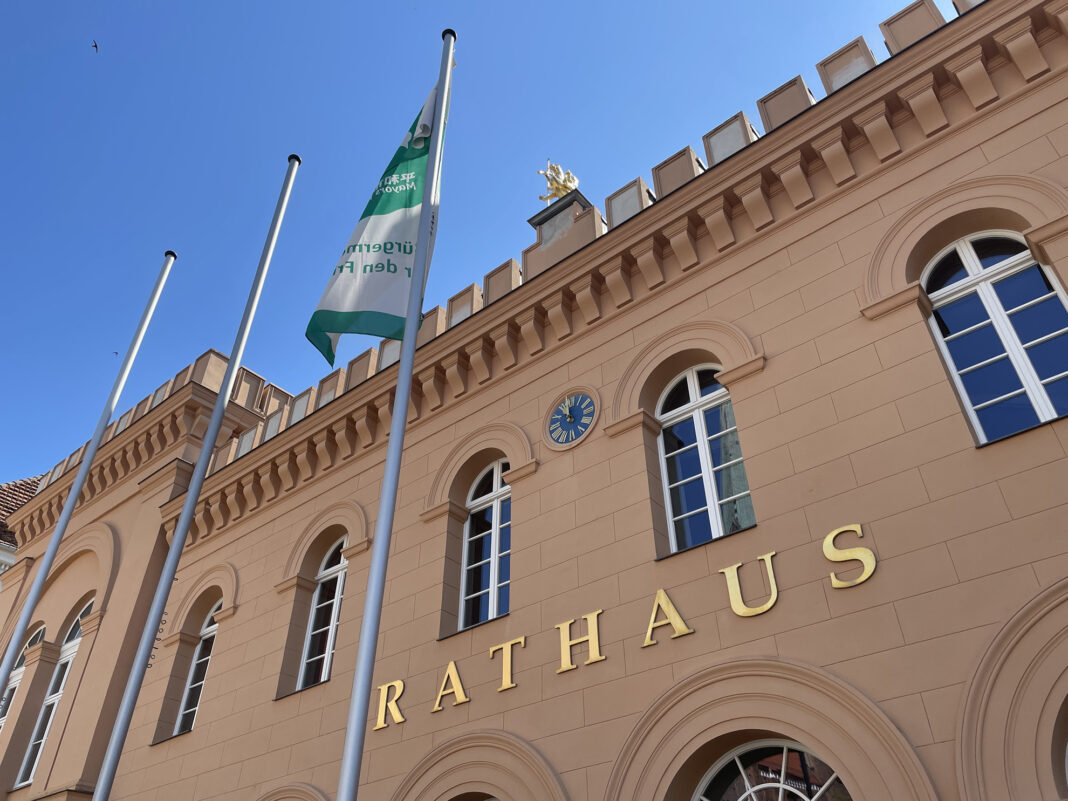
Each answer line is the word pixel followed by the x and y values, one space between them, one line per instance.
pixel 368 290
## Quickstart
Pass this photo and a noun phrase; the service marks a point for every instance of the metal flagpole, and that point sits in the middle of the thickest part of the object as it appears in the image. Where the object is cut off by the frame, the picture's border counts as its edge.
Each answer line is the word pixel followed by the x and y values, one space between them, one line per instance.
pixel 349 782
pixel 170 567
pixel 14 646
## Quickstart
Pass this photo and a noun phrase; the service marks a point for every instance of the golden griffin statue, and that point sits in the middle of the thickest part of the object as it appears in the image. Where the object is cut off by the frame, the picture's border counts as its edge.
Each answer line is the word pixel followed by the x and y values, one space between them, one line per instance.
pixel 559 182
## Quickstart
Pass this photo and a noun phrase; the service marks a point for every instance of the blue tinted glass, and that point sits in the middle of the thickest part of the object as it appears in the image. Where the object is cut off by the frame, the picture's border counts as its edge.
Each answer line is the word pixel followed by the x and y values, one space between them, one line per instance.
pixel 725 448
pixel 707 383
pixel 1021 287
pixel 502 599
pixel 989 382
pixel 476 609
pixel 1058 395
pixel 688 497
pixel 481 521
pixel 737 514
pixel 719 418
pixel 1041 319
pixel 692 530
pixel 995 249
pixel 504 570
pixel 975 346
pixel 506 539
pixel 1007 417
pixel 477 578
pixel 506 511
pixel 677 397
pixel 948 271
pixel 478 549
pixel 681 434
pixel 1050 358
pixel 731 480
pixel 960 314
pixel 684 464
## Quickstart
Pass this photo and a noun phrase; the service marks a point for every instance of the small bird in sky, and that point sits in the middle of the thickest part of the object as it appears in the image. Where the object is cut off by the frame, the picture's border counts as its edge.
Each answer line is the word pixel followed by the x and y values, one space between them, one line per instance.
pixel 95 47
pixel 114 353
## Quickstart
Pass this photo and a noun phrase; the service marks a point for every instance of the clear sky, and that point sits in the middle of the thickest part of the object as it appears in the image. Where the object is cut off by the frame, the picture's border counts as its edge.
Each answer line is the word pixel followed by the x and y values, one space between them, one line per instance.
pixel 175 133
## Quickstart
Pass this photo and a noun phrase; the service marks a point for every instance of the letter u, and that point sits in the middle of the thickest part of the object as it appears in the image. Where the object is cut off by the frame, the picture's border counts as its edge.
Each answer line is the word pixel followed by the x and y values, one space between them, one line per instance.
pixel 734 589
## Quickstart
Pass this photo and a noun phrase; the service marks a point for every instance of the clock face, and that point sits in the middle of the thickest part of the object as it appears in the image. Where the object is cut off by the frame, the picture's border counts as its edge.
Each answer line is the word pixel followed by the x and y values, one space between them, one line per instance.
pixel 571 418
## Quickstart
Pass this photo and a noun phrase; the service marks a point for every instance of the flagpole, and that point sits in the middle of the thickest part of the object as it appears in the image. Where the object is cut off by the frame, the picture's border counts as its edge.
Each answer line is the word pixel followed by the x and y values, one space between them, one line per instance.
pixel 14 645
pixel 356 729
pixel 170 566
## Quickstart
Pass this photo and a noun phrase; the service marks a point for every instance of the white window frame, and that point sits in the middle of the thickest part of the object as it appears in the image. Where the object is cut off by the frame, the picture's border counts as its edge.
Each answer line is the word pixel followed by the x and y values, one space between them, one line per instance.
pixel 787 745
pixel 324 575
pixel 501 492
pixel 981 281
pixel 8 698
pixel 695 409
pixel 209 629
pixel 47 716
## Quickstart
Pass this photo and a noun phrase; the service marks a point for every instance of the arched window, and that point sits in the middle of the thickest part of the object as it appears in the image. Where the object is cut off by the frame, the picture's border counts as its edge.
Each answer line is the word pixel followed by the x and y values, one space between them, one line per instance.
pixel 769 769
pixel 68 650
pixel 194 685
pixel 322 622
pixel 16 674
pixel 486 570
pixel 1002 323
pixel 705 488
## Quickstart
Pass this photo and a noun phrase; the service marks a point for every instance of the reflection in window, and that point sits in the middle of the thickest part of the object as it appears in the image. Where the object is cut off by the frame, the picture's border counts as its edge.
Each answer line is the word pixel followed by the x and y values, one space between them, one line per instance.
pixel 322 622
pixel 487 551
pixel 194 685
pixel 1002 324
pixel 769 770
pixel 705 487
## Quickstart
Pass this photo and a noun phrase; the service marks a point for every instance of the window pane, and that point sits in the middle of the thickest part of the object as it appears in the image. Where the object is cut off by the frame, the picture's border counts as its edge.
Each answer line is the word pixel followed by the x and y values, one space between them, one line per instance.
pixel 677 397
pixel 1007 417
pixel 478 549
pixel 1041 319
pixel 31 762
pixel 506 539
pixel 335 557
pixel 960 314
pixel 1021 287
pixel 684 464
pixel 317 643
pixel 688 497
pixel 1058 394
pixel 1050 358
pixel 481 521
pixel 725 448
pixel 186 723
pixel 680 435
pixel 476 609
pixel 731 480
pixel 504 570
pixel 502 599
pixel 313 672
pixel 719 418
pixel 737 514
pixel 991 381
pixel 707 383
pixel 477 578
pixel 995 249
pixel 975 346
pixel 693 530
pixel 484 486
pixel 58 677
pixel 506 511
pixel 199 670
pixel 193 699
pixel 949 270
pixel 324 614
pixel 327 588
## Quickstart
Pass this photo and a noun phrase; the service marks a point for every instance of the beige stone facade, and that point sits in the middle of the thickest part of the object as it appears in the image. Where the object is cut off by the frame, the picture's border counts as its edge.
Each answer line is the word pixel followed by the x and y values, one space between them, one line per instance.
pixel 898 613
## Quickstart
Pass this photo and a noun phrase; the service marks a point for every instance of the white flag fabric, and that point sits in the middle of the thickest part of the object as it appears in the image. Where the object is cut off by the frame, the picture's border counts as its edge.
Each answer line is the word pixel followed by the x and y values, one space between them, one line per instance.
pixel 368 290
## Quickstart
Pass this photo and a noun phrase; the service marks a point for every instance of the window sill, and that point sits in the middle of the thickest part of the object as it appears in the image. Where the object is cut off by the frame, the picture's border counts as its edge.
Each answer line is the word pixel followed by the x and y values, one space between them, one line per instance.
pixel 300 690
pixel 168 737
pixel 1021 431
pixel 472 628
pixel 704 544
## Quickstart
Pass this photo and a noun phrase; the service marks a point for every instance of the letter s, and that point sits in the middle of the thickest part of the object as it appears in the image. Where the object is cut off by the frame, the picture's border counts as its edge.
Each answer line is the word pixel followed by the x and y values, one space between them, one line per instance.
pixel 863 555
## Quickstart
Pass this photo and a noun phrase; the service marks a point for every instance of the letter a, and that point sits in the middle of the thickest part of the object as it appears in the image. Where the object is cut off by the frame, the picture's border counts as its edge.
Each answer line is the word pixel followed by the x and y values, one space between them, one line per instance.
pixel 455 688
pixel 734 589
pixel 384 703
pixel 662 603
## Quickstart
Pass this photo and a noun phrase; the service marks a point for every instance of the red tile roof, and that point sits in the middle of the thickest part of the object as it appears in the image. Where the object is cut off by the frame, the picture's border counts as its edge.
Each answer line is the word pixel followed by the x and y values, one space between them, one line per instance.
pixel 12 496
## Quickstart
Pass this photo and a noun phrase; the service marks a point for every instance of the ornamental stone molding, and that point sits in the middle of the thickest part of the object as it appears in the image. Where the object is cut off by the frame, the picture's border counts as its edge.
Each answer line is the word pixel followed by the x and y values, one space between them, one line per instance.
pixel 499 763
pixel 348 515
pixel 1008 738
pixel 507 438
pixel 295 792
pixel 790 699
pixel 222 576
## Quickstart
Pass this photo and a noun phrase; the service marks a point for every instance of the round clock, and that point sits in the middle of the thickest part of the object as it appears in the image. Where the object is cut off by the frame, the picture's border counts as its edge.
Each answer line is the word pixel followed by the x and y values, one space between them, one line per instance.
pixel 570 418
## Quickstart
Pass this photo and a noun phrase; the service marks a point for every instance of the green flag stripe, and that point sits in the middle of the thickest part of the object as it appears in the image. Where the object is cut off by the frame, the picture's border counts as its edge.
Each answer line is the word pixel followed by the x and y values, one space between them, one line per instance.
pixel 387 326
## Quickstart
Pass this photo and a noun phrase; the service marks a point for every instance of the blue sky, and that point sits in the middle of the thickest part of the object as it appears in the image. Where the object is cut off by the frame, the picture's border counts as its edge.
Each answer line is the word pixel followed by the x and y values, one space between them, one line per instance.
pixel 175 135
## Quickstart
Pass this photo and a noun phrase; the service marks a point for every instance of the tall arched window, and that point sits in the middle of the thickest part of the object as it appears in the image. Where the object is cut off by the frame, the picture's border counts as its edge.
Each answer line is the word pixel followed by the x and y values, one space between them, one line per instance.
pixel 1002 324
pixel 194 685
pixel 321 638
pixel 769 769
pixel 68 650
pixel 16 674
pixel 486 570
pixel 705 488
